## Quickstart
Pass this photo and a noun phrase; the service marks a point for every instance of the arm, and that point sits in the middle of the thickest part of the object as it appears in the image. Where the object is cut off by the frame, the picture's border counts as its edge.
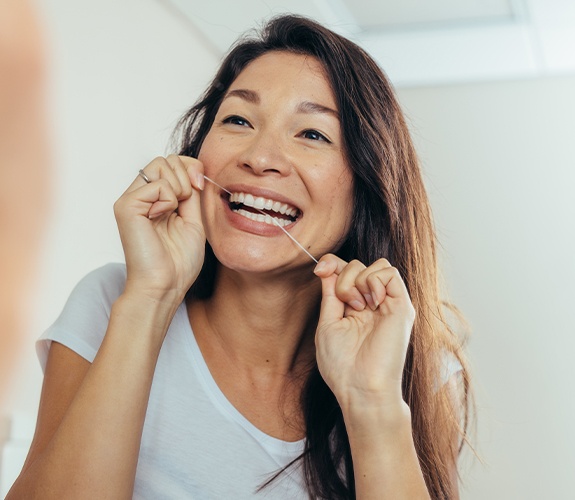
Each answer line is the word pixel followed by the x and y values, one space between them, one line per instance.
pixel 385 462
pixel 360 354
pixel 384 456
pixel 91 416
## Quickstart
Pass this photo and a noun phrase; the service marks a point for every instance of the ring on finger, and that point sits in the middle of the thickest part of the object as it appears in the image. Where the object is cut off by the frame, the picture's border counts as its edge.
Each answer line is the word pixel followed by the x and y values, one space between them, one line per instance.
pixel 143 175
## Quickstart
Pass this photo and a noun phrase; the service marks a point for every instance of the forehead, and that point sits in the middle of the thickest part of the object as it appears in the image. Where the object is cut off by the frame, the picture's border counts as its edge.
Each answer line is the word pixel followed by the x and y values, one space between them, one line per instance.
pixel 281 72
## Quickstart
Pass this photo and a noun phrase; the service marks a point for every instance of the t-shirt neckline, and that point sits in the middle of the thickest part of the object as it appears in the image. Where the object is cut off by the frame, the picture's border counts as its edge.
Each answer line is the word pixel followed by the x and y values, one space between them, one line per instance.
pixel 276 447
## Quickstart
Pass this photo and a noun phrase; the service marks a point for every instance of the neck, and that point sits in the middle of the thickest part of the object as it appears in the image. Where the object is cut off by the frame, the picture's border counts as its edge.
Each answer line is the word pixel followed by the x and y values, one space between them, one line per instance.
pixel 260 325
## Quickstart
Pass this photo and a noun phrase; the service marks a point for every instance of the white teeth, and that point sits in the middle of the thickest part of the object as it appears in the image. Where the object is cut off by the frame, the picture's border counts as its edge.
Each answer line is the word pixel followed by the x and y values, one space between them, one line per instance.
pixel 249 200
pixel 260 203
pixel 268 219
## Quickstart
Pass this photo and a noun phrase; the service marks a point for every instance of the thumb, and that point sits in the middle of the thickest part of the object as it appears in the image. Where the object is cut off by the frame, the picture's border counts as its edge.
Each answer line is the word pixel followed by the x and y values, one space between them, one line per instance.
pixel 331 308
pixel 190 209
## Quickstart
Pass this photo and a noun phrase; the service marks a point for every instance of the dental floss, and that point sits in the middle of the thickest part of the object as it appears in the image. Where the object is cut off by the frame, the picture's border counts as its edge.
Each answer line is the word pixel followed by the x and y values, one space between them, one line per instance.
pixel 273 219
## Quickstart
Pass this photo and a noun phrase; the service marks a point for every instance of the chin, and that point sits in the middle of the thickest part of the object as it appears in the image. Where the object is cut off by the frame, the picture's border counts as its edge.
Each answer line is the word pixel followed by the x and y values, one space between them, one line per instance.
pixel 244 258
pixel 258 260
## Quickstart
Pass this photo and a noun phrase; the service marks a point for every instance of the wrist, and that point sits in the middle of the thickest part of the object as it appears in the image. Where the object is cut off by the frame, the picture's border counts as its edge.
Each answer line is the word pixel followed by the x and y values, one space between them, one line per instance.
pixel 144 313
pixel 154 294
pixel 381 413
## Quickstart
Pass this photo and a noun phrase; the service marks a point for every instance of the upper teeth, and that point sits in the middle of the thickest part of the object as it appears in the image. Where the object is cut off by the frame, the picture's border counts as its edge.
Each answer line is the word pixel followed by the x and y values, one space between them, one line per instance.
pixel 260 203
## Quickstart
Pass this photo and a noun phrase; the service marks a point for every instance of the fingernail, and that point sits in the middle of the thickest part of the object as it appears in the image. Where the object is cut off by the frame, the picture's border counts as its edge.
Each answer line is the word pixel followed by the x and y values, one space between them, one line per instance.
pixel 199 181
pixel 320 267
pixel 371 302
pixel 357 305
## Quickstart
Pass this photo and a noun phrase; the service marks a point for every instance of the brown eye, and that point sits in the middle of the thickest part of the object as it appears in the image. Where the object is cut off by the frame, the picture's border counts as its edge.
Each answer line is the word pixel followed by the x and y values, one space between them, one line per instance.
pixel 237 120
pixel 314 135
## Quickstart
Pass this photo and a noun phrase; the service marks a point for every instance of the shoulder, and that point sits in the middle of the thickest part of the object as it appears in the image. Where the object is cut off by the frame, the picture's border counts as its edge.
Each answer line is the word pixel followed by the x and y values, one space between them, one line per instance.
pixel 83 322
pixel 108 280
pixel 99 289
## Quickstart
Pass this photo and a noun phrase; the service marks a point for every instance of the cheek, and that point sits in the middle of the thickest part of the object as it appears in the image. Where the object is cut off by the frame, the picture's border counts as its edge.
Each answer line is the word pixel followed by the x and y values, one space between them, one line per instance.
pixel 206 153
pixel 211 153
pixel 338 195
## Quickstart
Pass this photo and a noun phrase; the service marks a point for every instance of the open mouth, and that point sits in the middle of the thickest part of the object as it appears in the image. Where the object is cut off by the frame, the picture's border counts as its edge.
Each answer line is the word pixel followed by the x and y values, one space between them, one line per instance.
pixel 263 210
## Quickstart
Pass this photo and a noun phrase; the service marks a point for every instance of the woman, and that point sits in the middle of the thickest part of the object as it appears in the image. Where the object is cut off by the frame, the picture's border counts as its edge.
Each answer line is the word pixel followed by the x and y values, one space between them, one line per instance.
pixel 230 365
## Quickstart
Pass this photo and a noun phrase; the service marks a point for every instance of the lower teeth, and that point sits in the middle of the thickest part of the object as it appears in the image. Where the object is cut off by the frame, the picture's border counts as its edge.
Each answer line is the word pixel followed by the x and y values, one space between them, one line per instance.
pixel 268 219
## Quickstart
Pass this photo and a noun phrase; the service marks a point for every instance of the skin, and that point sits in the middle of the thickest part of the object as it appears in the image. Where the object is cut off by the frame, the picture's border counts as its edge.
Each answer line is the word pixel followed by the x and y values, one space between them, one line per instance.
pixel 24 170
pixel 259 331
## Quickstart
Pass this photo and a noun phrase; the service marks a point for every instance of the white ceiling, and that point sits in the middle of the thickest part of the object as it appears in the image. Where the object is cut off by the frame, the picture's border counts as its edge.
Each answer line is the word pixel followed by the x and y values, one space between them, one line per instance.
pixel 407 14
pixel 418 42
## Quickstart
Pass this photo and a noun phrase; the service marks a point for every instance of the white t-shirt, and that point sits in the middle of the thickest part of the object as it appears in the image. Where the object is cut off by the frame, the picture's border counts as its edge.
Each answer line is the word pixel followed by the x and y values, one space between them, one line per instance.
pixel 195 444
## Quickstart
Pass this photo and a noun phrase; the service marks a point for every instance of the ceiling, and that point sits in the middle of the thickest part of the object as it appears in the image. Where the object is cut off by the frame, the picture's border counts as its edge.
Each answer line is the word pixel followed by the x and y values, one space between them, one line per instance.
pixel 417 42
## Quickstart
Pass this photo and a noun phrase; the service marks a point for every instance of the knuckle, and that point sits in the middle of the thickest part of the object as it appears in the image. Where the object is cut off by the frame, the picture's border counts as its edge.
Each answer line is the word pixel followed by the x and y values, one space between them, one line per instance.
pixel 118 207
pixel 342 290
pixel 356 263
pixel 371 279
pixel 187 190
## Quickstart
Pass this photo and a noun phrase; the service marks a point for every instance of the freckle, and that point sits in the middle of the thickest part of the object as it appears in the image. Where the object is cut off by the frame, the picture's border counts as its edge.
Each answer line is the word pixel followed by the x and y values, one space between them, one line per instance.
pixel 267 360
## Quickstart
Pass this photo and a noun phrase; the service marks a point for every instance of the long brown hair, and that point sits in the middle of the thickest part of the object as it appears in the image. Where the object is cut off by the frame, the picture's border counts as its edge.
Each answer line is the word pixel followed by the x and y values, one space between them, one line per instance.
pixel 391 219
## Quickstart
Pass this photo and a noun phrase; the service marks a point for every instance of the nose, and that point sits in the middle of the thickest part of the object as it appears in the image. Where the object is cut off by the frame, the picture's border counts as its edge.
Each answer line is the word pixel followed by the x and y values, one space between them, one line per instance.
pixel 265 154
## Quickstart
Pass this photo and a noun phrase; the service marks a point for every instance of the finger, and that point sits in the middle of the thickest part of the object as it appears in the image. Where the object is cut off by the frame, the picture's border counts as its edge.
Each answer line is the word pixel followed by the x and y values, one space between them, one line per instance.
pixel 190 209
pixel 331 309
pixel 328 265
pixel 388 283
pixel 345 288
pixel 181 173
pixel 195 170
pixel 162 197
pixel 149 200
pixel 368 284
pixel 158 168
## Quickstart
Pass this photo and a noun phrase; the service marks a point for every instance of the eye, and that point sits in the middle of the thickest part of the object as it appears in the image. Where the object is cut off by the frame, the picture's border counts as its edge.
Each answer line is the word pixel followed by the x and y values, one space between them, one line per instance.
pixel 237 120
pixel 314 135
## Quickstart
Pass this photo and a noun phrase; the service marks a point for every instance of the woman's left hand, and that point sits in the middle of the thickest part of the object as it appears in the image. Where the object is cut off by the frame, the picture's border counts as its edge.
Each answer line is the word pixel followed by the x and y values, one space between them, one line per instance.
pixel 365 323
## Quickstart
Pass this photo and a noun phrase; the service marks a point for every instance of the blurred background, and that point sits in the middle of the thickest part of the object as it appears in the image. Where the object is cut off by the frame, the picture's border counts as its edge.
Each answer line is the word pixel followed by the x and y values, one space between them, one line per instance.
pixel 489 91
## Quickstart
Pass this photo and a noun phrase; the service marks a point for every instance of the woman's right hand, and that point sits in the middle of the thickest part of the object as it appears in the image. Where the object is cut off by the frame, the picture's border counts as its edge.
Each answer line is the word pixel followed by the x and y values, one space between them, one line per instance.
pixel 161 228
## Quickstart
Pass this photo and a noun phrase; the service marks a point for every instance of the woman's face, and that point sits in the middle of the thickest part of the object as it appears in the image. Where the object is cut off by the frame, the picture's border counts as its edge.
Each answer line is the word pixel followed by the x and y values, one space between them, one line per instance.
pixel 276 144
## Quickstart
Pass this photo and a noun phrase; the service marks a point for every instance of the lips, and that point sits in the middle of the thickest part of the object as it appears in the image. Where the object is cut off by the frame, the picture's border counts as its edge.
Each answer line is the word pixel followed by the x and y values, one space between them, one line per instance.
pixel 262 209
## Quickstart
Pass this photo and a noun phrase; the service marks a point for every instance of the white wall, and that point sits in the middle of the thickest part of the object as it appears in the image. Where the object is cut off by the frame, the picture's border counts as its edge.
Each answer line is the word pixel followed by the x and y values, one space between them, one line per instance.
pixel 500 165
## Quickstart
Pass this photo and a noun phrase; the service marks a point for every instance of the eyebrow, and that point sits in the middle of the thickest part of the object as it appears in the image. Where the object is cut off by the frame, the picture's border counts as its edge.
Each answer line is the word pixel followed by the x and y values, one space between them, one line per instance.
pixel 245 94
pixel 309 107
pixel 306 107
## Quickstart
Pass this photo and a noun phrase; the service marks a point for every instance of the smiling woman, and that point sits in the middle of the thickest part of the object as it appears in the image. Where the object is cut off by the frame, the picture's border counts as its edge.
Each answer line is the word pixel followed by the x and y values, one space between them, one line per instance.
pixel 276 139
pixel 218 362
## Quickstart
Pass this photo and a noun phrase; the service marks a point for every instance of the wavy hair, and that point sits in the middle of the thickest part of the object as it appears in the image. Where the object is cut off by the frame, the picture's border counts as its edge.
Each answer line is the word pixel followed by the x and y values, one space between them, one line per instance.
pixel 391 219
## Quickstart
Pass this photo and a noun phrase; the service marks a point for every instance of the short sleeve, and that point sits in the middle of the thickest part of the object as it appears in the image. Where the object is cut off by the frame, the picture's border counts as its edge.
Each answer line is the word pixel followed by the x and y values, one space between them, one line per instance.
pixel 449 367
pixel 83 322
